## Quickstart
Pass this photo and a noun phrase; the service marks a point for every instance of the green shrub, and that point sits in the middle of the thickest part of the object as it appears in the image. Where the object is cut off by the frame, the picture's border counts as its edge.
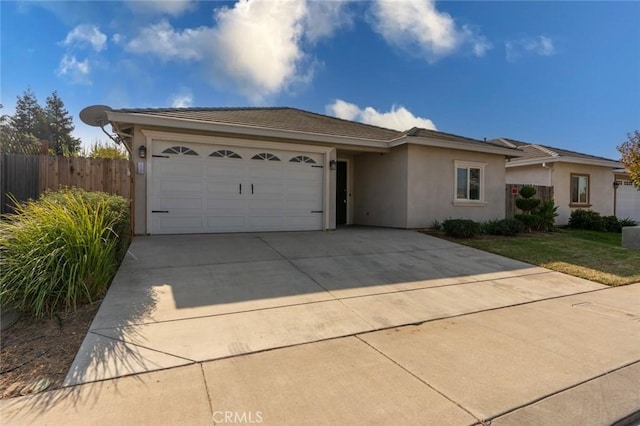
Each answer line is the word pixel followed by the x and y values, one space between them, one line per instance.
pixel 117 211
pixel 611 224
pixel 586 219
pixel 546 214
pixel 58 252
pixel 527 191
pixel 436 225
pixel 461 228
pixel 507 227
pixel 527 204
pixel 627 221
pixel 529 221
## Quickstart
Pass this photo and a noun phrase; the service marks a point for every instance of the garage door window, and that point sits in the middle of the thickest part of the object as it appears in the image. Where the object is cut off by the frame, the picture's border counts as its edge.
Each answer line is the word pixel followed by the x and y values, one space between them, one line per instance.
pixel 302 159
pixel 179 150
pixel 225 153
pixel 265 156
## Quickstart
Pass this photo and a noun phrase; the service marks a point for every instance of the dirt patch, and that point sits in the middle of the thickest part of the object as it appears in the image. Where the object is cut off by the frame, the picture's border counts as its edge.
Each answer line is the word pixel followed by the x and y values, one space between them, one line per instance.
pixel 34 352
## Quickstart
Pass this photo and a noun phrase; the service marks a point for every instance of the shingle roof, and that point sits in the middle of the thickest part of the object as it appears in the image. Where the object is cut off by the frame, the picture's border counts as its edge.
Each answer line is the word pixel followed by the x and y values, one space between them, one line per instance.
pixel 536 151
pixel 425 133
pixel 297 120
pixel 281 118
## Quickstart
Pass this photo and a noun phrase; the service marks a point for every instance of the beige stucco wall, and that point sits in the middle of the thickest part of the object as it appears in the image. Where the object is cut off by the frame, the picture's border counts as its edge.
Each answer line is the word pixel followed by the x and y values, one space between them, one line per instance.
pixel 380 188
pixel 530 175
pixel 600 191
pixel 431 180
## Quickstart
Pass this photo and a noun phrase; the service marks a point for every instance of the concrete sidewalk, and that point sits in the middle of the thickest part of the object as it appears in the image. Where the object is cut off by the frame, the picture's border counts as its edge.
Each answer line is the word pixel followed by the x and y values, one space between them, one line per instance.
pixel 569 360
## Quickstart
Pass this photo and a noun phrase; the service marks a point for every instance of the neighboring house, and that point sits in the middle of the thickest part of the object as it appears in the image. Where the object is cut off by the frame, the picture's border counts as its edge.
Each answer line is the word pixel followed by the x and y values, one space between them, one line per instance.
pixel 627 196
pixel 272 169
pixel 579 180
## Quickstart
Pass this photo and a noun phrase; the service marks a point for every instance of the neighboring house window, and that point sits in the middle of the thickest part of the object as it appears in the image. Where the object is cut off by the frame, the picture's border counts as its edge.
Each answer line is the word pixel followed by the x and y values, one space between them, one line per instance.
pixel 225 153
pixel 265 156
pixel 469 182
pixel 579 190
pixel 179 150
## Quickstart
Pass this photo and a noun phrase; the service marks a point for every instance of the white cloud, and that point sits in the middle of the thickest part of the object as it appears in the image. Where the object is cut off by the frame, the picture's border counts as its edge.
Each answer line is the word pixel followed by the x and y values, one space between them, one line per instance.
pixel 163 41
pixel 76 71
pixel 84 35
pixel 182 99
pixel 161 7
pixel 417 27
pixel 541 45
pixel 257 45
pixel 325 17
pixel 398 118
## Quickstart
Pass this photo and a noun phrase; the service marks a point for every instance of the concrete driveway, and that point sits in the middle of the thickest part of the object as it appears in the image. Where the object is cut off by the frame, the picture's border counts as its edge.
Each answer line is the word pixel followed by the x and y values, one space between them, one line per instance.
pixel 356 326
pixel 177 300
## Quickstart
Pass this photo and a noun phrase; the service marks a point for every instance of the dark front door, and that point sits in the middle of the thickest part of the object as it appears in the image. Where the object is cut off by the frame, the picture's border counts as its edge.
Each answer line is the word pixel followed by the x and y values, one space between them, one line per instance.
pixel 341 193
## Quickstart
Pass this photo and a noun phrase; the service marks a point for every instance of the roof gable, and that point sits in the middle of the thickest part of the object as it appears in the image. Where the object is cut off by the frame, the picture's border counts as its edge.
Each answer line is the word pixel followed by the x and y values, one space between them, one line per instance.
pixel 539 153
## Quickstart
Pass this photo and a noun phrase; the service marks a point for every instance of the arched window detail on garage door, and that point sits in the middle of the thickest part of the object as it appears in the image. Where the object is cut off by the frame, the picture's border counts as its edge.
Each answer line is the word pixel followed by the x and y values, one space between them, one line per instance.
pixel 225 153
pixel 302 159
pixel 265 156
pixel 179 150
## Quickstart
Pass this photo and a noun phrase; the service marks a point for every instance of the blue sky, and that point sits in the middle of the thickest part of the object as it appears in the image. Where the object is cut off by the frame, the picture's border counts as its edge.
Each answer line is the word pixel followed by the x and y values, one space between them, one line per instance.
pixel 564 74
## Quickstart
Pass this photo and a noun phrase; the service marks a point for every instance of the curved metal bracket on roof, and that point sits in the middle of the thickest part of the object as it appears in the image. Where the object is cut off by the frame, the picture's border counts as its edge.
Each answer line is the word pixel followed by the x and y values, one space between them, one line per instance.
pixel 96 116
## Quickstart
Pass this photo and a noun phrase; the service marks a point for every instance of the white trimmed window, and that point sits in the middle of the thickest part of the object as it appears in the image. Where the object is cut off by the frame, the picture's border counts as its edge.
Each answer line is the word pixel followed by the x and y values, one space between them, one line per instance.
pixel 469 182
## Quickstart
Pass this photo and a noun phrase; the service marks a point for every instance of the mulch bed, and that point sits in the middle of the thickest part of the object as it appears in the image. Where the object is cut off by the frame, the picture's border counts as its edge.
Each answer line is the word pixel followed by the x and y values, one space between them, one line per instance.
pixel 41 351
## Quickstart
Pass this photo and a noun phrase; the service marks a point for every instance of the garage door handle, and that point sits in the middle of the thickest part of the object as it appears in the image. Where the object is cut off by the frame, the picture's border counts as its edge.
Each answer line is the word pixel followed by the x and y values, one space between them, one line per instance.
pixel 240 189
pixel 159 211
pixel 251 189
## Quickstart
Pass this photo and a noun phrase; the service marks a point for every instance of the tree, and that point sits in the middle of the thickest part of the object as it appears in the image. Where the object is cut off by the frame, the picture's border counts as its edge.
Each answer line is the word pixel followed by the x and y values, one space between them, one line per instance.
pixel 106 150
pixel 59 126
pixel 29 119
pixel 630 151
pixel 11 141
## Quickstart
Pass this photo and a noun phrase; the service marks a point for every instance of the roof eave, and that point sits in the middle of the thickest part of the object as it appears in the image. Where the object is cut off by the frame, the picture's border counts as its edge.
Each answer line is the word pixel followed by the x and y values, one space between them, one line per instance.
pixel 240 129
pixel 464 146
pixel 565 159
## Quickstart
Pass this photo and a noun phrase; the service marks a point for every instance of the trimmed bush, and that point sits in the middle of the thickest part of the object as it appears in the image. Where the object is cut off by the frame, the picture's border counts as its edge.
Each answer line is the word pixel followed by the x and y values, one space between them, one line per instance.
pixel 59 251
pixel 461 228
pixel 527 191
pixel 506 227
pixel 586 219
pixel 611 224
pixel 529 221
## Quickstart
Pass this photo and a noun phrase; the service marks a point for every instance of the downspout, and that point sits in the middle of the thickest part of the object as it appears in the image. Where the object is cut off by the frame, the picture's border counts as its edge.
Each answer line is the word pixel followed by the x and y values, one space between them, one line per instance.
pixel 549 181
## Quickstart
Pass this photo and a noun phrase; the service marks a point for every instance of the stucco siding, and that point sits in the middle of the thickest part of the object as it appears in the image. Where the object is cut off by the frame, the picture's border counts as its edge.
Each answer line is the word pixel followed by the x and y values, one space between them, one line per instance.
pixel 380 188
pixel 600 189
pixel 431 180
pixel 530 175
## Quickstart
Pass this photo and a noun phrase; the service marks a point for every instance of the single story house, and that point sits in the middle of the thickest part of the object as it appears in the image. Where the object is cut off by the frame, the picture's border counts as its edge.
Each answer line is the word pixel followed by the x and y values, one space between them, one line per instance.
pixel 207 170
pixel 579 181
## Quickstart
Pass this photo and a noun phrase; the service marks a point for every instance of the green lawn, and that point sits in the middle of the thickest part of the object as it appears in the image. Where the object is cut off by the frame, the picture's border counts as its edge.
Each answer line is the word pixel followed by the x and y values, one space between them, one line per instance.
pixel 597 256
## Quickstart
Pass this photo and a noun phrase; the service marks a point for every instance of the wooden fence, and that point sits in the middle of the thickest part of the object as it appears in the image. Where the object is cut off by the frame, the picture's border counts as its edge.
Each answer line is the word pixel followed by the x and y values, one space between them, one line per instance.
pixel 543 193
pixel 27 176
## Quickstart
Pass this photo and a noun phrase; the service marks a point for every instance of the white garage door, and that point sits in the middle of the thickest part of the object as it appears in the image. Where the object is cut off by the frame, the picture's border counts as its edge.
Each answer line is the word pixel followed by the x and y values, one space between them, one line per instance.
pixel 627 201
pixel 197 188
